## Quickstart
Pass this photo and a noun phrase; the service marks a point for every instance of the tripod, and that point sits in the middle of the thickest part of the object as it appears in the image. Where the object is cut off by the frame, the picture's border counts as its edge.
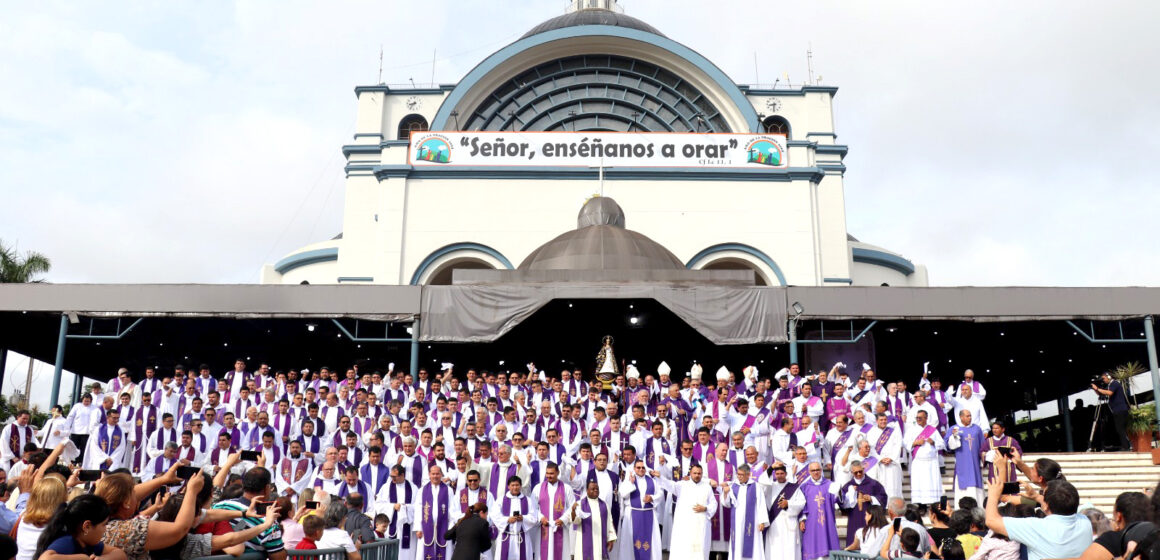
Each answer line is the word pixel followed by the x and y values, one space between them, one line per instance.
pixel 1099 417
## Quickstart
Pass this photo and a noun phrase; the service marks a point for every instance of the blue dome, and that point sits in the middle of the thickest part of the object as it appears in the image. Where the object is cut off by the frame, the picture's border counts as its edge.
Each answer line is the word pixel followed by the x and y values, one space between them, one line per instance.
pixel 592 17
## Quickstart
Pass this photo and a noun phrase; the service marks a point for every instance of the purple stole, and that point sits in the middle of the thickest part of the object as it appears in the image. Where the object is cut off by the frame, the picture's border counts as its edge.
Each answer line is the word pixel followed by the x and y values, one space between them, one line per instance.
pixel 802 474
pixel 319 425
pixel 838 444
pixel 311 446
pixel 495 484
pixel 205 384
pixel 160 466
pixel 235 435
pixel 162 438
pixel 552 508
pixel 144 421
pixel 821 534
pixel 433 529
pixel 188 455
pixel 642 521
pixel 215 456
pixel 14 439
pixel 786 492
pixel 393 531
pixel 298 472
pixel 586 528
pixel 723 518
pixel 869 463
pixel 344 491
pixel 750 517
pixel 883 438
pixel 383 476
pixel 704 453
pixel 108 442
pixel 274 450
pixel 926 432
pixel 736 457
pixel 241 406
pixel 417 468
pixel 650 453
pixel 511 532
pixel 362 426
pixel 185 400
pixel 281 424
pixel 464 504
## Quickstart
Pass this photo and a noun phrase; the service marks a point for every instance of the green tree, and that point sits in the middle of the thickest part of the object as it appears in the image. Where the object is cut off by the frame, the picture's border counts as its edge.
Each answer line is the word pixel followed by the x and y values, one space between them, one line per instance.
pixel 17 269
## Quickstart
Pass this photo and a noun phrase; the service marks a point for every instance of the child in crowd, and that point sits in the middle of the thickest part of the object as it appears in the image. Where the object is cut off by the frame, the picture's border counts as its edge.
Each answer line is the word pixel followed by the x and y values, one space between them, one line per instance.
pixel 76 530
pixel 381 524
pixel 312 529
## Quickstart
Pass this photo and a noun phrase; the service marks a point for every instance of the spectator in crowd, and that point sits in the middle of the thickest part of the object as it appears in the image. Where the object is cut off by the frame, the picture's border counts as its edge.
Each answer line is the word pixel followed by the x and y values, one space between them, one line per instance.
pixel 47 493
pixel 7 547
pixel 896 509
pixel 940 529
pixel 1100 522
pixel 8 517
pixel 357 523
pixel 471 534
pixel 76 529
pixel 869 539
pixel 1130 523
pixel 904 543
pixel 312 529
pixel 998 547
pixel 256 486
pixel 962 523
pixel 196 545
pixel 137 535
pixel 1063 533
pixel 335 535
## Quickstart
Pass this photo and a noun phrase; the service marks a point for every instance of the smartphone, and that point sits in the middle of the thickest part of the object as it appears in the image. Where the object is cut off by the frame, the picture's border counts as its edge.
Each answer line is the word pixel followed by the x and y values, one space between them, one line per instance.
pixel 1010 488
pixel 311 505
pixel 942 503
pixel 89 476
pixel 260 507
pixel 186 473
pixel 516 513
pixel 1006 451
pixel 897 524
pixel 249 456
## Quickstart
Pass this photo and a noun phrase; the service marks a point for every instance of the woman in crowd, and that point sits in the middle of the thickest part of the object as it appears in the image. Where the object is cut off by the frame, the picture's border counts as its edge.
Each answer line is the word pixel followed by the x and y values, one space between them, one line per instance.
pixel 47 493
pixel 334 536
pixel 940 529
pixel 75 532
pixel 962 522
pixel 998 547
pixel 138 535
pixel 868 540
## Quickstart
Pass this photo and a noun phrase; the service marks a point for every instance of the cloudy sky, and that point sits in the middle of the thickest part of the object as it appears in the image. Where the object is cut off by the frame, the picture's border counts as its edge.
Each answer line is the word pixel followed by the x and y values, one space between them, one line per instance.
pixel 1000 144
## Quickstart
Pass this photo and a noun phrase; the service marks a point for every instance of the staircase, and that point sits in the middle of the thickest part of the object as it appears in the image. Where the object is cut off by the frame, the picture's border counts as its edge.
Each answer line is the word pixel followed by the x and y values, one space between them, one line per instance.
pixel 1099 477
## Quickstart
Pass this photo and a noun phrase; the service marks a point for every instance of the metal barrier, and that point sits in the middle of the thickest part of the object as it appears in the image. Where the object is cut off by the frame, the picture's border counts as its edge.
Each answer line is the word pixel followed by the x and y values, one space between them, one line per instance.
pixel 385 549
pixel 848 555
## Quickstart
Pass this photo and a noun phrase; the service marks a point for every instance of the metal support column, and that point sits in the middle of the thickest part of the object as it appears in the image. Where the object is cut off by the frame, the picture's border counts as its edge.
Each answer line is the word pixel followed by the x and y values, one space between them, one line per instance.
pixel 415 348
pixel 3 365
pixel 793 344
pixel 76 396
pixel 56 372
pixel 1065 411
pixel 1150 334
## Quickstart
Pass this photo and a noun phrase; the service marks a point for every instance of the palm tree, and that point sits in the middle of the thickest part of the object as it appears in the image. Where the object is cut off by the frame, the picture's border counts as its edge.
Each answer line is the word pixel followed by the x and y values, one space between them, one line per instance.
pixel 17 269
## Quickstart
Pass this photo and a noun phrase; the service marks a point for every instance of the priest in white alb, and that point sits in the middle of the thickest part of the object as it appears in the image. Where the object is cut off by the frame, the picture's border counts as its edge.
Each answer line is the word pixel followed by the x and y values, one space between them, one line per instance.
pixel 925 444
pixel 782 539
pixel 750 516
pixel 696 505
pixel 593 534
pixel 555 499
pixel 640 533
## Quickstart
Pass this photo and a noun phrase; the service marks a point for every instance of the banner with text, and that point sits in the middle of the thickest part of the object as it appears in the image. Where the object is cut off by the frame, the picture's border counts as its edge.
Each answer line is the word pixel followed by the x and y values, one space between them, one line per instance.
pixel 607 149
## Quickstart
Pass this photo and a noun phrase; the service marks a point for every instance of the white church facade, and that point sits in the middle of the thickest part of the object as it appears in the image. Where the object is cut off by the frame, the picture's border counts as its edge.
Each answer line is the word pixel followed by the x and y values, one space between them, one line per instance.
pixel 594 76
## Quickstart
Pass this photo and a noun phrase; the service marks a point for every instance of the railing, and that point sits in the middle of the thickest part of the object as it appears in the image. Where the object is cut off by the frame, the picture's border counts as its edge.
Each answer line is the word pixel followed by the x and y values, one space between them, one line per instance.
pixel 847 555
pixel 386 549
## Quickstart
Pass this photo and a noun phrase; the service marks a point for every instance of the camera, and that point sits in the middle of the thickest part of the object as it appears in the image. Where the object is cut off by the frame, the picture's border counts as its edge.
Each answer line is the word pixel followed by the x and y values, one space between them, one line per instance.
pixel 1098 381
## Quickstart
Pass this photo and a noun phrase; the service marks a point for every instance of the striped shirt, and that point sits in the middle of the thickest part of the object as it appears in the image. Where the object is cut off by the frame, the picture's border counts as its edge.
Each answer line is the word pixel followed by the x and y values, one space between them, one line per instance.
pixel 268 541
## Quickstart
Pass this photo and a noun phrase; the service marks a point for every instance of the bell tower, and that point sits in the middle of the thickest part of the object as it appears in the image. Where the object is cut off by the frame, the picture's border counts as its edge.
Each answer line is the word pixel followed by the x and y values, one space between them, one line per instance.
pixel 610 5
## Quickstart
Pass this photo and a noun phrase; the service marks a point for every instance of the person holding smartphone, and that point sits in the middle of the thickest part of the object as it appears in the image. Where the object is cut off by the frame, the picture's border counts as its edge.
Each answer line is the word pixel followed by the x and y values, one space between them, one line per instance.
pixel 999 443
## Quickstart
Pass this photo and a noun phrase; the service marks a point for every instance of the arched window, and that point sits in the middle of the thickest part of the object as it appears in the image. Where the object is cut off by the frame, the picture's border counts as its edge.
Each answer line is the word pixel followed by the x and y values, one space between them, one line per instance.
pixel 412 123
pixel 776 125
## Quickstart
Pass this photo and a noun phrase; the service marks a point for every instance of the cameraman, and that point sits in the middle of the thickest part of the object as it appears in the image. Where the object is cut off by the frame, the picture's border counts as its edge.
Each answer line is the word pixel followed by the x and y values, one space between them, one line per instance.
pixel 1118 404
